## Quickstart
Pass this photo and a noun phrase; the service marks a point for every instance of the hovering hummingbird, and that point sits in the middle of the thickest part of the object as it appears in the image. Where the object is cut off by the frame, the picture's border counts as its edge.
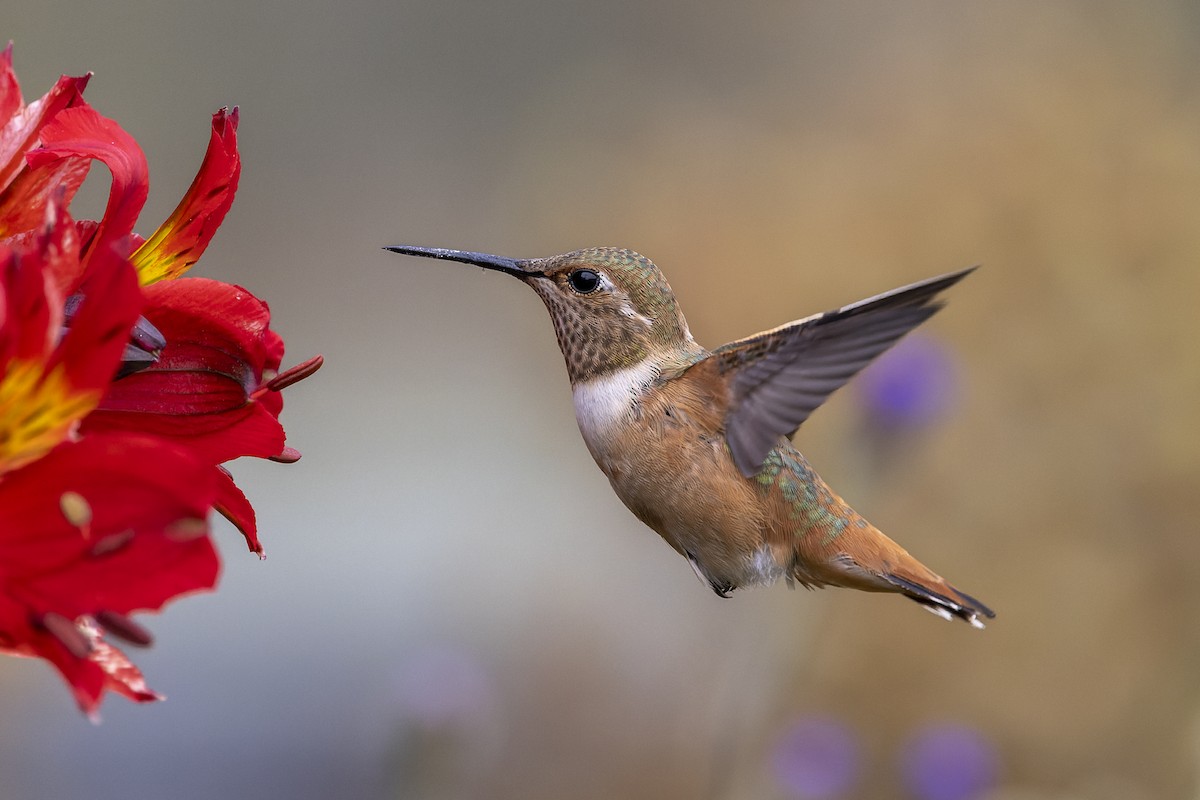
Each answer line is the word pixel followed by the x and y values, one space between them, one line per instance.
pixel 696 443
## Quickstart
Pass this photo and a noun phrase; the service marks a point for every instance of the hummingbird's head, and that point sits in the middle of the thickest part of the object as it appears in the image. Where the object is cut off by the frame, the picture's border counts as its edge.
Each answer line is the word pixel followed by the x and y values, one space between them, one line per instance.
pixel 611 308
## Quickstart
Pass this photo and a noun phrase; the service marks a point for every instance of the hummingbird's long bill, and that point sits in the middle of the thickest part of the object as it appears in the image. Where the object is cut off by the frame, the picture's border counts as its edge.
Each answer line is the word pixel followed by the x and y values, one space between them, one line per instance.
pixel 486 260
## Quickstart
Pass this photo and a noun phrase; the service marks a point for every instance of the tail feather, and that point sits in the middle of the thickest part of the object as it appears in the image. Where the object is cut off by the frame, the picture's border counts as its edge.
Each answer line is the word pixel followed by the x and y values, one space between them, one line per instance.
pixel 858 555
pixel 965 607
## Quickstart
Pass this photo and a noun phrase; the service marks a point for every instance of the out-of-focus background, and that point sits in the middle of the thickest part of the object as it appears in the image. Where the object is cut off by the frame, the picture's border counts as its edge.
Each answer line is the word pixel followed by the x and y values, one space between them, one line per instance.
pixel 454 603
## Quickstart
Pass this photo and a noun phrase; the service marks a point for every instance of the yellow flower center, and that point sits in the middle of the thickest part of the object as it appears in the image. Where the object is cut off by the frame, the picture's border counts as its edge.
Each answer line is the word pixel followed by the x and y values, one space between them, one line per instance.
pixel 38 410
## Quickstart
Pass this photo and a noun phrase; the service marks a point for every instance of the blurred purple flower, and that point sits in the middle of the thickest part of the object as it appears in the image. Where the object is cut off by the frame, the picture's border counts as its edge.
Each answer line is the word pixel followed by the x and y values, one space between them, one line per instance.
pixel 911 385
pixel 816 758
pixel 949 762
pixel 443 686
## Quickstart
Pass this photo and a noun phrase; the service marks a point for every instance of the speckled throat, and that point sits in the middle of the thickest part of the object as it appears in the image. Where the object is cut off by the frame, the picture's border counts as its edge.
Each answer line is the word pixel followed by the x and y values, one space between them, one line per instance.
pixel 594 341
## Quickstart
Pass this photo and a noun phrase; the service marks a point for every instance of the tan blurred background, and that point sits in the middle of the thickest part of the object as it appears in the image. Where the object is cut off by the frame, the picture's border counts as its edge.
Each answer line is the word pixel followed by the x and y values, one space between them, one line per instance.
pixel 454 603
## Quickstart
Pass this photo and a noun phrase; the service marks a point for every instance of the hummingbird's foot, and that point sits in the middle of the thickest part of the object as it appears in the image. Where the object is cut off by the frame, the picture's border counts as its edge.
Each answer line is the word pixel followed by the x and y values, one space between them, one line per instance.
pixel 721 588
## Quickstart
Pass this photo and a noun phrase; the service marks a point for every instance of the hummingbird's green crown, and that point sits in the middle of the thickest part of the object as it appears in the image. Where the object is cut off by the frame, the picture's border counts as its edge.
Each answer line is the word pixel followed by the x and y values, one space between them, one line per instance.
pixel 626 315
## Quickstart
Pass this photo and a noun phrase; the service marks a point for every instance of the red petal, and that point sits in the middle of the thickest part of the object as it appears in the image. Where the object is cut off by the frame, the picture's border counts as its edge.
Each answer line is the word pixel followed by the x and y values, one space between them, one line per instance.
pixel 200 391
pixel 233 505
pixel 214 438
pixel 23 205
pixel 179 242
pixel 126 483
pixel 105 667
pixel 111 548
pixel 21 130
pixel 27 333
pixel 93 346
pixel 83 133
pixel 33 305
pixel 45 392
pixel 222 315
pixel 10 90
pixel 52 251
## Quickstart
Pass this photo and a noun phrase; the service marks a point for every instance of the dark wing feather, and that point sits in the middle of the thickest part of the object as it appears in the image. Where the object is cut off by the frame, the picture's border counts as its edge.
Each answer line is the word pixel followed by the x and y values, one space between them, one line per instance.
pixel 781 376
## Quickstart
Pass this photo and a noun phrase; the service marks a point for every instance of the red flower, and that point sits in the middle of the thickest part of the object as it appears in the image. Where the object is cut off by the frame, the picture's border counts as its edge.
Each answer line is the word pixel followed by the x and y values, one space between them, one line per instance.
pixel 216 386
pixel 114 426
pixel 91 529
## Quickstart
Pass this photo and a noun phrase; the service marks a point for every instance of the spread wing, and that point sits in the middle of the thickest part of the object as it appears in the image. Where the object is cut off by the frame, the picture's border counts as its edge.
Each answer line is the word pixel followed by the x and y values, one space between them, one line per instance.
pixel 781 376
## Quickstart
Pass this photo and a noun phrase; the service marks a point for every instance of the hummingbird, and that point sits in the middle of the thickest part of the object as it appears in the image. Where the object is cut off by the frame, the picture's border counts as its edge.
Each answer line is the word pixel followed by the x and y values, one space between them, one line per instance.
pixel 697 443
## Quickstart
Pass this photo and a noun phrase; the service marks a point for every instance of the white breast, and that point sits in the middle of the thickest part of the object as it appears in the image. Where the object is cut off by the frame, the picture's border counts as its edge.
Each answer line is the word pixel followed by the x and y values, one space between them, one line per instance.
pixel 603 403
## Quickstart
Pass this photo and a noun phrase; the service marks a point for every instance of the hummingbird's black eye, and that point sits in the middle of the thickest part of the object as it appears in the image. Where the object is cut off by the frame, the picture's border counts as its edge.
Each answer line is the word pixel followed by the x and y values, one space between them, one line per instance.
pixel 584 281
